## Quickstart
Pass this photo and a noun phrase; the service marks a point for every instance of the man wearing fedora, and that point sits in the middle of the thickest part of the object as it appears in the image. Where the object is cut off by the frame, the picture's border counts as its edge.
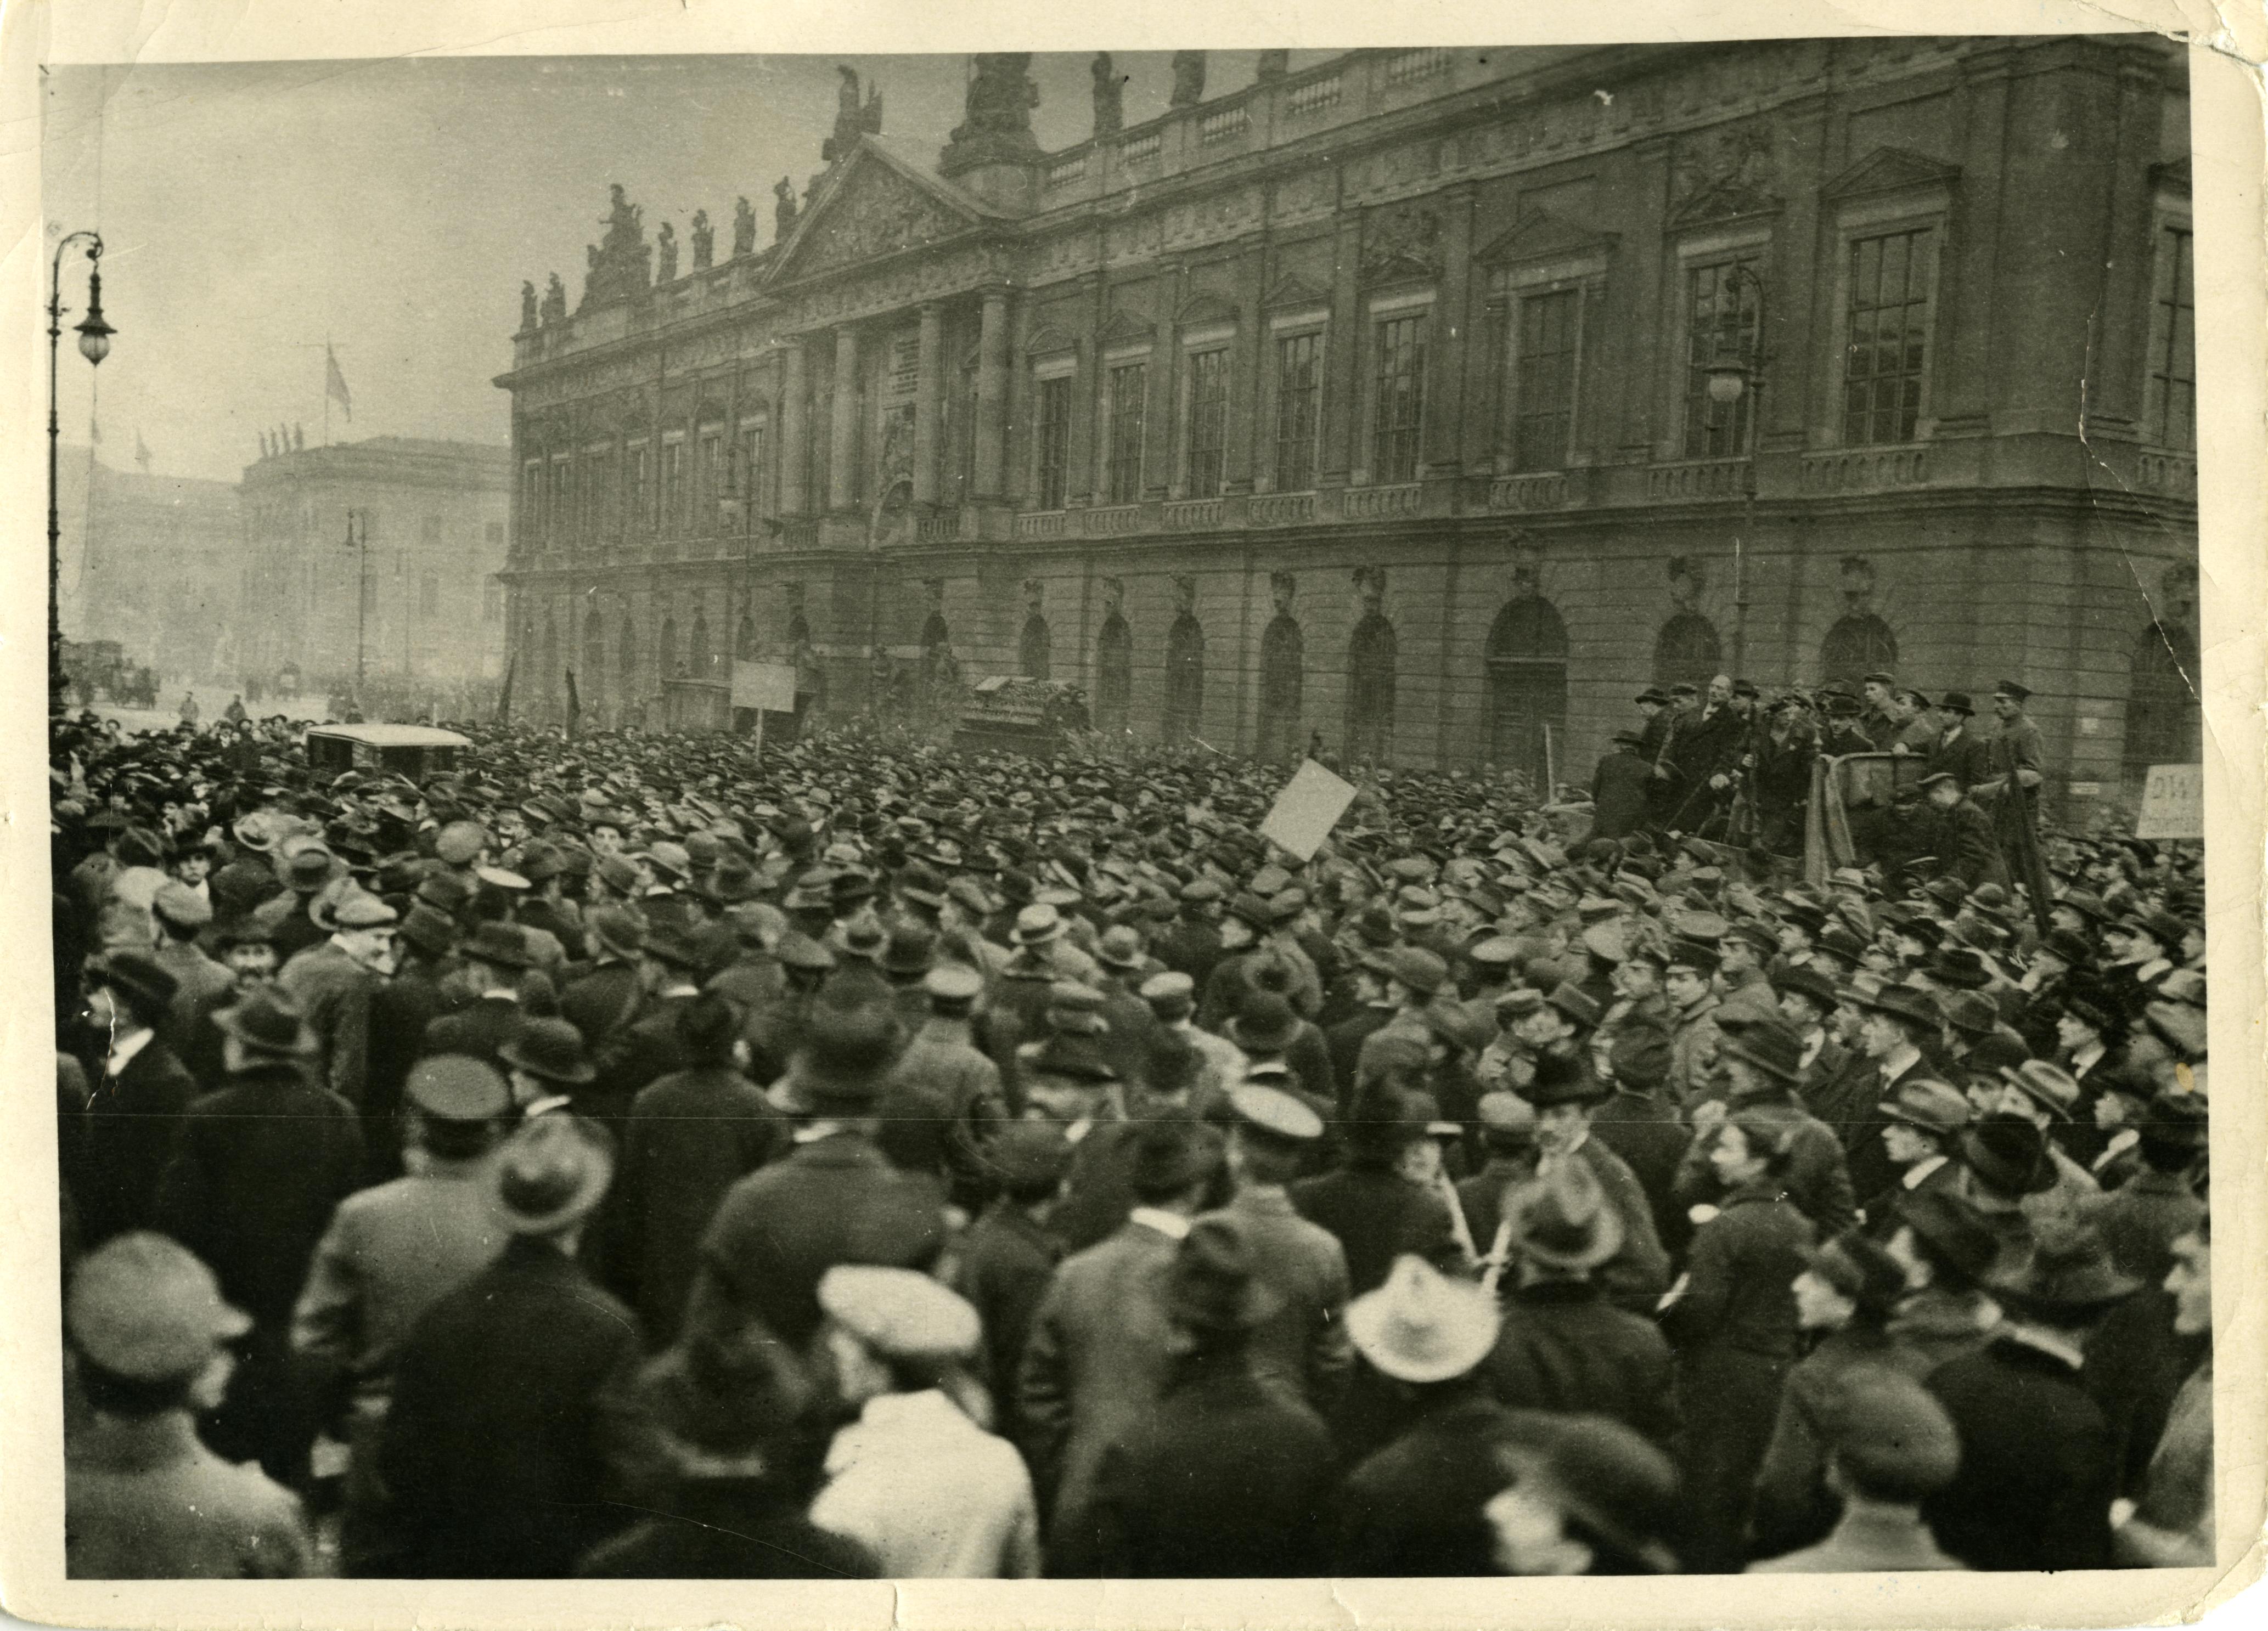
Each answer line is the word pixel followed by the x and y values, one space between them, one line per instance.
pixel 1564 1346
pixel 2046 1098
pixel 1223 1477
pixel 2038 1469
pixel 509 1448
pixel 670 966
pixel 1757 1073
pixel 260 1164
pixel 1100 1345
pixel 606 995
pixel 495 956
pixel 1921 1136
pixel 1565 1094
pixel 1413 1507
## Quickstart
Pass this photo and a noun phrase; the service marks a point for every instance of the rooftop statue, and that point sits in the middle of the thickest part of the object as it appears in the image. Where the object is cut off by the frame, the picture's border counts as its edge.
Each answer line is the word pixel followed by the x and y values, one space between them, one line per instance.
pixel 744 227
pixel 1109 93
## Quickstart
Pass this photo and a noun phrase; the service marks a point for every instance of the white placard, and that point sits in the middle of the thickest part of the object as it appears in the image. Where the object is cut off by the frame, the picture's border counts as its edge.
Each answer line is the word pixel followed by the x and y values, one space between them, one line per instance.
pixel 2173 803
pixel 764 684
pixel 1306 810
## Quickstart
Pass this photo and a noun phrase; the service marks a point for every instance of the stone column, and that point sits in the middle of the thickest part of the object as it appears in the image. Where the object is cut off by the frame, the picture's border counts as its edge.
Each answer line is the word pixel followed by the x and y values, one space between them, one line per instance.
pixel 1341 344
pixel 1440 450
pixel 929 400
pixel 992 394
pixel 842 425
pixel 1963 394
pixel 794 432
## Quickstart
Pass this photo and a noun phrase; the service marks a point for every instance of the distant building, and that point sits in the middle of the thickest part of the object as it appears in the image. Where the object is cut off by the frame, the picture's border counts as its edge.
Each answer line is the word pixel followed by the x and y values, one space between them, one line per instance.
pixel 151 562
pixel 433 514
pixel 1375 400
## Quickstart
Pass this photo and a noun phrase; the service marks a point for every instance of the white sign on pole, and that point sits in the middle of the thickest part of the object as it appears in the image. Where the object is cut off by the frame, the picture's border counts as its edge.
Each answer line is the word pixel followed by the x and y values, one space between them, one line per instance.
pixel 764 684
pixel 2173 803
pixel 1306 810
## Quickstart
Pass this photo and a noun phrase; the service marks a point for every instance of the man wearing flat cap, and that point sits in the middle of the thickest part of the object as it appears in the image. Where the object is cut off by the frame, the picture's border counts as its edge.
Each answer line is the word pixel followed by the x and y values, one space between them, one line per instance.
pixel 258 1167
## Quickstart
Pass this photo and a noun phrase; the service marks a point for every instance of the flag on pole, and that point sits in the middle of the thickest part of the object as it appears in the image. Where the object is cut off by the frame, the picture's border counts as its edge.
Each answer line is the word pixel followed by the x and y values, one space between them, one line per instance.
pixel 574 706
pixel 334 383
pixel 503 699
pixel 142 453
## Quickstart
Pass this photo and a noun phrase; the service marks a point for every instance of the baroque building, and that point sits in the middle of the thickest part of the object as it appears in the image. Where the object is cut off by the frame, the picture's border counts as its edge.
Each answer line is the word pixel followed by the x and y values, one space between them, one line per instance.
pixel 429 519
pixel 150 563
pixel 1432 401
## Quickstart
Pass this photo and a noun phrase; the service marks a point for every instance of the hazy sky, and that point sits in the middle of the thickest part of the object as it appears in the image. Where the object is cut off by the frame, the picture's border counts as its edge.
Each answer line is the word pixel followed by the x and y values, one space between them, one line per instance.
pixel 250 211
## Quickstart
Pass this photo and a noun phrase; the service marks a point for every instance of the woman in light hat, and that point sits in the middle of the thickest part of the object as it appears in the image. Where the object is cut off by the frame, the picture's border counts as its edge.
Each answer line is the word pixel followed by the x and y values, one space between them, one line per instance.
pixel 918 1479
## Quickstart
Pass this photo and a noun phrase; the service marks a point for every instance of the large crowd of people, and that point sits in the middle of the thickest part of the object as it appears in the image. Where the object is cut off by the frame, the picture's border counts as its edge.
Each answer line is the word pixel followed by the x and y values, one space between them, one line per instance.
pixel 630 1157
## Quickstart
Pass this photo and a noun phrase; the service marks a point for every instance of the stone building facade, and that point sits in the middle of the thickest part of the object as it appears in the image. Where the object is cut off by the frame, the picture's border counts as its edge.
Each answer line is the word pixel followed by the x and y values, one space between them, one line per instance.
pixel 433 516
pixel 1431 402
pixel 150 560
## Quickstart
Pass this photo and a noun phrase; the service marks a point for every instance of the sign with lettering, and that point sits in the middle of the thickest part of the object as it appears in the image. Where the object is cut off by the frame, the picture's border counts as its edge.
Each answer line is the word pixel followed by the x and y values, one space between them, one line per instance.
pixel 2173 803
pixel 764 684
pixel 1306 810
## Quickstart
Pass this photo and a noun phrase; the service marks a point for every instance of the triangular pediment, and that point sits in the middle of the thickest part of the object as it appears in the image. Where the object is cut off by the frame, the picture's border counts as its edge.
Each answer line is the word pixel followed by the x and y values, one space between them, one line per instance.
pixel 1292 289
pixel 1206 309
pixel 1050 340
pixel 873 205
pixel 1726 200
pixel 1892 170
pixel 1124 328
pixel 1542 236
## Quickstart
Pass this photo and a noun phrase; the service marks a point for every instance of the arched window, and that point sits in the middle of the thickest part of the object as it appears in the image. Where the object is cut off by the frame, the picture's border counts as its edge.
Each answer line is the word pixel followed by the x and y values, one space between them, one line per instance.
pixel 2165 724
pixel 1686 650
pixel 592 681
pixel 699 658
pixel 1859 644
pixel 670 663
pixel 1032 647
pixel 1527 690
pixel 744 639
pixel 626 658
pixel 1184 677
pixel 1114 673
pixel 1370 691
pixel 1282 675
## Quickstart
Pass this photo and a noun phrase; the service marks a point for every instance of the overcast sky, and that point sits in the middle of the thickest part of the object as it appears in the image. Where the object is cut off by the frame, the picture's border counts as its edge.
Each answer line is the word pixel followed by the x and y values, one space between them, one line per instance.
pixel 249 211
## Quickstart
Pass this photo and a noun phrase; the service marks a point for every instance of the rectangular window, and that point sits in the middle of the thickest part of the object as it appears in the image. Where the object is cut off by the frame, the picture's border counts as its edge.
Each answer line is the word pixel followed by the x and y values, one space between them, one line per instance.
pixel 635 485
pixel 1128 383
pixel 531 504
pixel 1399 407
pixel 1053 473
pixel 673 486
pixel 1721 324
pixel 1543 381
pixel 560 517
pixel 1886 344
pixel 708 474
pixel 1299 388
pixel 749 478
pixel 1208 422
pixel 598 504
pixel 2170 410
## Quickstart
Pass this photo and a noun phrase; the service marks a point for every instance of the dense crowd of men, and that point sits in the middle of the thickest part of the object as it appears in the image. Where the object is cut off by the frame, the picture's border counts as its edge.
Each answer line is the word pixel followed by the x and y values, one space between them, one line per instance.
pixel 627 1157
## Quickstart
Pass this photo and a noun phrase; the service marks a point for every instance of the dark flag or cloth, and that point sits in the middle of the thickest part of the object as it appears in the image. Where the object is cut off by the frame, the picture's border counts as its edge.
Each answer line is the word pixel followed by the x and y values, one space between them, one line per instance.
pixel 503 697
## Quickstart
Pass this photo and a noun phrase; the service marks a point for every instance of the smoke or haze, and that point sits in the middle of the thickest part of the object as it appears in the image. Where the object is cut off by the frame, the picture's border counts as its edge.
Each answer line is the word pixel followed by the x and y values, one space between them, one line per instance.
pixel 249 211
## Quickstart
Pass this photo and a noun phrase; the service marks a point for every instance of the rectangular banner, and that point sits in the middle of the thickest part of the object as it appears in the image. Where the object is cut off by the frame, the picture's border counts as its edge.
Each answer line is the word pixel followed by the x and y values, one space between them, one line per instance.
pixel 764 684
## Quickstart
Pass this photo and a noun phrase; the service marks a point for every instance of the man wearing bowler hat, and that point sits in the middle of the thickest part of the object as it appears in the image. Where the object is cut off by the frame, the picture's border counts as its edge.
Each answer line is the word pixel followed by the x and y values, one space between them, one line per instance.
pixel 495 957
pixel 113 1145
pixel 1960 751
pixel 1564 1094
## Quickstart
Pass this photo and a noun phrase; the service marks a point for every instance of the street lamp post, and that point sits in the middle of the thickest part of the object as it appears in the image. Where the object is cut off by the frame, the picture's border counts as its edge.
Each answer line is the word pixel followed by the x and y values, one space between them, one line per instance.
pixel 94 345
pixel 358 539
pixel 1732 374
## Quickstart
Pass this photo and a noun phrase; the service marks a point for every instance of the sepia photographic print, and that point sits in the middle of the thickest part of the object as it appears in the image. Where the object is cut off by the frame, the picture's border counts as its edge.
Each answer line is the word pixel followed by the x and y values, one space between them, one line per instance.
pixel 1405 829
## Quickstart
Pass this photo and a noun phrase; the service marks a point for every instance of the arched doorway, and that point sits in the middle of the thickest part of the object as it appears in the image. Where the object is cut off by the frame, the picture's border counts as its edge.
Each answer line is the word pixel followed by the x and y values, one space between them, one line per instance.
pixel 1114 673
pixel 1283 676
pixel 1686 651
pixel 1370 691
pixel 626 655
pixel 1527 690
pixel 1858 645
pixel 1184 677
pixel 2165 724
pixel 1032 647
